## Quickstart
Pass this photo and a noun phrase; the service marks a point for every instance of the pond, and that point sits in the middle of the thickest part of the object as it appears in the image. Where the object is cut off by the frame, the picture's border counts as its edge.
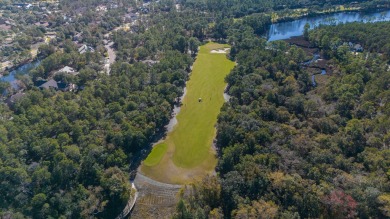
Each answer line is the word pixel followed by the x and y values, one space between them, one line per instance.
pixel 22 70
pixel 286 30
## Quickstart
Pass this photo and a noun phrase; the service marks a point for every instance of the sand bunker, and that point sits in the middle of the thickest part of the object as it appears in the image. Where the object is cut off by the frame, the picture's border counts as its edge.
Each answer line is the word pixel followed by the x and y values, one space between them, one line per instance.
pixel 225 50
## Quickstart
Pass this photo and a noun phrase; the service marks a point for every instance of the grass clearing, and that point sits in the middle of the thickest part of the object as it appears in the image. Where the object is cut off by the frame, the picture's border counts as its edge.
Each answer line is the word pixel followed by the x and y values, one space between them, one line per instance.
pixel 195 133
pixel 190 153
pixel 156 155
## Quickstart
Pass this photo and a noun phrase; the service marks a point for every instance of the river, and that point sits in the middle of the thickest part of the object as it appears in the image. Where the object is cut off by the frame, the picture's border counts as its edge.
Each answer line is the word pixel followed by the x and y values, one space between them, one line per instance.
pixel 22 70
pixel 286 30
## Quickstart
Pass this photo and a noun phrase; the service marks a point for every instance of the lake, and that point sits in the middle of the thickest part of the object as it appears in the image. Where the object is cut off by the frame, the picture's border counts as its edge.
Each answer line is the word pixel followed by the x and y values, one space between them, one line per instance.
pixel 286 30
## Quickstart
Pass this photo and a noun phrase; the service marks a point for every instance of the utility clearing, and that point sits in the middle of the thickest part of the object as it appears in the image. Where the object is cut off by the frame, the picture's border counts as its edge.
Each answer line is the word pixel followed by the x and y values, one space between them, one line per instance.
pixel 187 152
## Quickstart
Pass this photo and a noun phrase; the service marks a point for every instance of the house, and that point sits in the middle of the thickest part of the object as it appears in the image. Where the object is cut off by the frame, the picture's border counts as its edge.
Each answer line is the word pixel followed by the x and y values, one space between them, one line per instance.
pixel 71 18
pixel 354 47
pixel 42 24
pixel 14 98
pixel 358 48
pixel 49 84
pixel 51 34
pixel 84 48
pixel 144 10
pixel 52 84
pixel 78 37
pixel 67 70
pixel 114 5
pixel 129 17
pixel 4 27
pixel 131 10
pixel 80 11
pixel 8 40
pixel 5 24
pixel 101 8
pixel 66 87
pixel 2 20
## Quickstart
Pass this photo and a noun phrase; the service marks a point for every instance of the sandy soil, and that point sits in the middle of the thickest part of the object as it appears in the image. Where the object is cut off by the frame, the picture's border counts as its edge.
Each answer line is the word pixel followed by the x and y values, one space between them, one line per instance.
pixel 219 51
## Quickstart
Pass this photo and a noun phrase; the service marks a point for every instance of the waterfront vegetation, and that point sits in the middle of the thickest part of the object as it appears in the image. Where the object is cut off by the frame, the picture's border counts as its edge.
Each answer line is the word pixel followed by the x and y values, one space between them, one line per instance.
pixel 279 16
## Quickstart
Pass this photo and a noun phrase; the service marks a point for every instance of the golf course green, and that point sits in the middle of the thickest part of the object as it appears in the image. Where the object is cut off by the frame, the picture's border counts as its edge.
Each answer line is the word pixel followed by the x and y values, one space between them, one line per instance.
pixel 187 153
pixel 156 155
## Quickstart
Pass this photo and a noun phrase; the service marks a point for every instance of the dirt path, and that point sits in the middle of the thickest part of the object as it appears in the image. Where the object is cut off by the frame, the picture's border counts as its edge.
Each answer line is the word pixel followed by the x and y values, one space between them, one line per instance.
pixel 111 57
pixel 111 52
pixel 155 199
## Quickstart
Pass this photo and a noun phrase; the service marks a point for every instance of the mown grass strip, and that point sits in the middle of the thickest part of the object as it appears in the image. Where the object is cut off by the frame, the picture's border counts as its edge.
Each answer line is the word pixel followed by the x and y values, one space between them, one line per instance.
pixel 156 155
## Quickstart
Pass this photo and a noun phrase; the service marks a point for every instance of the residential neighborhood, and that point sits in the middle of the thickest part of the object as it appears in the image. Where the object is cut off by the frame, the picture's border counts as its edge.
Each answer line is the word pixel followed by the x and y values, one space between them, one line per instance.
pixel 35 30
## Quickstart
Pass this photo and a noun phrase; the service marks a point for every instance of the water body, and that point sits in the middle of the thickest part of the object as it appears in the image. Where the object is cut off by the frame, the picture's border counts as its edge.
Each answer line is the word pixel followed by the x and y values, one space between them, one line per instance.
pixel 286 30
pixel 313 77
pixel 22 70
pixel 315 58
pixel 313 80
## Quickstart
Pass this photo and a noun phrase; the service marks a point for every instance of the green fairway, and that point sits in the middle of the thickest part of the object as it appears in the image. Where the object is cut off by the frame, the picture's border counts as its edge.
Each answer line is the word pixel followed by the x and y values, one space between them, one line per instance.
pixel 156 155
pixel 190 143
pixel 195 132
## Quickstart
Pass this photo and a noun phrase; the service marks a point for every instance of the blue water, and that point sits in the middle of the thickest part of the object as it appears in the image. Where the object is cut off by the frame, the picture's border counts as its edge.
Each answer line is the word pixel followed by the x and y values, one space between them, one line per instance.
pixel 286 30
pixel 22 70
pixel 313 77
pixel 313 80
pixel 315 57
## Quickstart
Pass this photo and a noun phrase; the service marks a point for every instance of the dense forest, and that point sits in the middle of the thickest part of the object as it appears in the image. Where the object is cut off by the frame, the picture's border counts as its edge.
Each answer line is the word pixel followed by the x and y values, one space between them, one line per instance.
pixel 68 154
pixel 288 149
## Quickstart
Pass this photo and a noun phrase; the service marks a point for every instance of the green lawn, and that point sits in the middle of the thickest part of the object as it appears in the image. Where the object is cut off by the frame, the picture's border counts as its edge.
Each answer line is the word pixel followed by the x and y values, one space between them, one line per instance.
pixel 190 143
pixel 156 155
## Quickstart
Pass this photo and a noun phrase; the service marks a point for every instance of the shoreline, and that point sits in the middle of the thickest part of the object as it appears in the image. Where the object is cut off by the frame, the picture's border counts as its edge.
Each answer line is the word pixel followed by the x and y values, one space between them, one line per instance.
pixel 319 13
pixel 15 67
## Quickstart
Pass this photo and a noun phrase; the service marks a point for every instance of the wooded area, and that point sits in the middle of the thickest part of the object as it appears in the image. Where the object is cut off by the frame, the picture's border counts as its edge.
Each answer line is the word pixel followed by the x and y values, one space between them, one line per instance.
pixel 291 150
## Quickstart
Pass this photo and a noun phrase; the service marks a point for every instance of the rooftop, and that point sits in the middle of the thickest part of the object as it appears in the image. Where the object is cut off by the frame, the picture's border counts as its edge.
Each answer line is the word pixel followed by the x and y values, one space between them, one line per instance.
pixel 68 70
pixel 50 84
